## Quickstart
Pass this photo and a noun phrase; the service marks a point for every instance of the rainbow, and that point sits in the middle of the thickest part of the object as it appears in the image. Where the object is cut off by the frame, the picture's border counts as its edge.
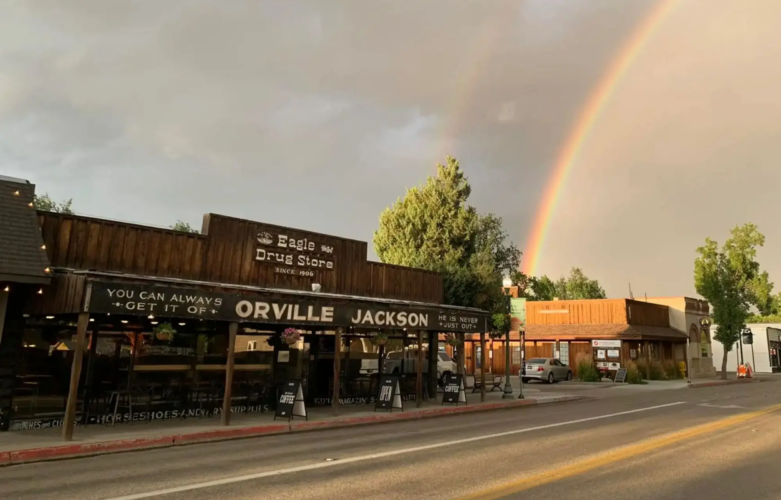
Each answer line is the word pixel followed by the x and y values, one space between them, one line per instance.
pixel 568 155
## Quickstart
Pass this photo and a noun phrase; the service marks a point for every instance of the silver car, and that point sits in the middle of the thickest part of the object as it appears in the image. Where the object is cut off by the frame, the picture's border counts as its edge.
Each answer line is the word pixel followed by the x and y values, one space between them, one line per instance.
pixel 548 369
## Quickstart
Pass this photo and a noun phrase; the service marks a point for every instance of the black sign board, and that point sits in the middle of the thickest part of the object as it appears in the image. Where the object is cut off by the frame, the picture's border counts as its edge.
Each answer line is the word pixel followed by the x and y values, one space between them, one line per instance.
pixel 174 302
pixel 620 376
pixel 454 390
pixel 291 401
pixel 389 397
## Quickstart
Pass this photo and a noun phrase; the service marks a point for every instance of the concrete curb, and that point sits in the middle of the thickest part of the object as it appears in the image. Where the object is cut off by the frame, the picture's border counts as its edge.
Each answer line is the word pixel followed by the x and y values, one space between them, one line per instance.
pixel 716 383
pixel 80 450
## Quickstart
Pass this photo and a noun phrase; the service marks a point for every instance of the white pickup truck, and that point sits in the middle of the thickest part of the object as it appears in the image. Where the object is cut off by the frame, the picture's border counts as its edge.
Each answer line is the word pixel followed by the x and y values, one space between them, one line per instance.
pixel 392 364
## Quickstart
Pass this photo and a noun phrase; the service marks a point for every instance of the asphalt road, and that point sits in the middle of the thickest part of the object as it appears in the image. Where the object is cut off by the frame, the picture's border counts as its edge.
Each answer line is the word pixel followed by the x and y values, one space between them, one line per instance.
pixel 715 443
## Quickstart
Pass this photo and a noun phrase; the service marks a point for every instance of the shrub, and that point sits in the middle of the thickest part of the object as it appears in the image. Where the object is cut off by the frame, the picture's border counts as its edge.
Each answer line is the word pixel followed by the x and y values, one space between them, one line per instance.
pixel 657 370
pixel 672 370
pixel 587 372
pixel 633 375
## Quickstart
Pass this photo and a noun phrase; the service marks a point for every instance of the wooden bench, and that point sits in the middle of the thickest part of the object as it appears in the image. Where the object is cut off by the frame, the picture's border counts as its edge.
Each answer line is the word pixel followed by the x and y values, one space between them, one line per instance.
pixel 495 384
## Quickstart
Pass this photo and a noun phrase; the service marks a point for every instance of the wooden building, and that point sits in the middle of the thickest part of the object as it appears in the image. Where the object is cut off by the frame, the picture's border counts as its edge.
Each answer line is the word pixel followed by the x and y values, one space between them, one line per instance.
pixel 118 284
pixel 627 330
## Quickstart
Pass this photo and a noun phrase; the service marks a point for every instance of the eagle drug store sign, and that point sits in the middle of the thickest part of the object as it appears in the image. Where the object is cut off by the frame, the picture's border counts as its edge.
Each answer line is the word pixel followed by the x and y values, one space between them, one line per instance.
pixel 293 256
pixel 145 300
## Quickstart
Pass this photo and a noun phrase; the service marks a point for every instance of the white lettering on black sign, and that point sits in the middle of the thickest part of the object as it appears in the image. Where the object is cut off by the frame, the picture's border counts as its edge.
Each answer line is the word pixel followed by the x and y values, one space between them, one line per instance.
pixel 459 323
pixel 288 251
pixel 389 318
pixel 158 302
pixel 246 309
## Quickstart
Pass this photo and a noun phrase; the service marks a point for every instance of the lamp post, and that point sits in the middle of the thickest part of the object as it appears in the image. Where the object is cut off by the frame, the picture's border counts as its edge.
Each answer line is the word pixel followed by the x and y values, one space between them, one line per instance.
pixel 507 283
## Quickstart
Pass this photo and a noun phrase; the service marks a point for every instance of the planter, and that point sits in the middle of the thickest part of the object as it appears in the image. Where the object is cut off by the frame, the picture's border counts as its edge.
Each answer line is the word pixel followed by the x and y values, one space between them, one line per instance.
pixel 164 332
pixel 452 340
pixel 290 336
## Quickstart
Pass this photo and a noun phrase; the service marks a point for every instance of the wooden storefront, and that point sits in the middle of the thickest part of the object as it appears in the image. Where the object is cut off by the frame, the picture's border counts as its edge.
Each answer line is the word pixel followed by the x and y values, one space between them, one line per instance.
pixel 643 329
pixel 237 279
pixel 567 329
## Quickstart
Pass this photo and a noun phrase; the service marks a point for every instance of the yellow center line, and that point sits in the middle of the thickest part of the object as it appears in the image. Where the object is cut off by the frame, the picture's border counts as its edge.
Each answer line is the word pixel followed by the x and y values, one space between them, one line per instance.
pixel 611 457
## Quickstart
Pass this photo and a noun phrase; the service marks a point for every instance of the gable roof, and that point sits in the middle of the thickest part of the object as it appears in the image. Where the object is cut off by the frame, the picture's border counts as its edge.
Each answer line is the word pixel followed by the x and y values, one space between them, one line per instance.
pixel 22 256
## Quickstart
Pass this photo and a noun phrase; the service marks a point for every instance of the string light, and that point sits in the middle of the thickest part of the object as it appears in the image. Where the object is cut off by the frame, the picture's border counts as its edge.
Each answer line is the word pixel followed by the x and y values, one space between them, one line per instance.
pixel 40 291
pixel 16 193
pixel 92 320
pixel 43 247
pixel 47 270
pixel 7 289
pixel 49 317
pixel 30 204
pixel 124 322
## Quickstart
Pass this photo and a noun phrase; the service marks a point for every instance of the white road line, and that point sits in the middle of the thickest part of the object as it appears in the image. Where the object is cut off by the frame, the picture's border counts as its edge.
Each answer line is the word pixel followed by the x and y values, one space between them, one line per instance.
pixel 726 407
pixel 323 465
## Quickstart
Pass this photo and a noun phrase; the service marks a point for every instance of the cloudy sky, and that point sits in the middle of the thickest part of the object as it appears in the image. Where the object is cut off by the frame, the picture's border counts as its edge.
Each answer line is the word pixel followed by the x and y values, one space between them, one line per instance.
pixel 318 114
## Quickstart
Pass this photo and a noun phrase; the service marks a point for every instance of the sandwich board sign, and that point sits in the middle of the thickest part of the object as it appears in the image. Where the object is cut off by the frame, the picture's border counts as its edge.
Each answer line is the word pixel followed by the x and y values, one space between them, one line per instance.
pixel 389 397
pixel 620 376
pixel 291 401
pixel 454 392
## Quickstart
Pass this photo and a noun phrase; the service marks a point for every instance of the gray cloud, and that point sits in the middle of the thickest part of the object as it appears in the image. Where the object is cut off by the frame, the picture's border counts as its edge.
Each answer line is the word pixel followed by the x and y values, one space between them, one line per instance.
pixel 319 114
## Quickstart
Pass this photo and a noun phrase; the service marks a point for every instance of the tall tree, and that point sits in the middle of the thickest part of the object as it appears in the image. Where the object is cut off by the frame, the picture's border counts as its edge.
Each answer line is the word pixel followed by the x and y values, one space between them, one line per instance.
pixel 46 204
pixel 727 278
pixel 434 228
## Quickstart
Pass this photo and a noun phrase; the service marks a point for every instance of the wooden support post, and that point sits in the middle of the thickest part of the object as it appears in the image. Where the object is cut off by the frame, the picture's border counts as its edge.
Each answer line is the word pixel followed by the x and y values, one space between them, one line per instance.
pixel 337 371
pixel 225 418
pixel 433 358
pixel 73 390
pixel 461 358
pixel 482 366
pixel 648 360
pixel 419 374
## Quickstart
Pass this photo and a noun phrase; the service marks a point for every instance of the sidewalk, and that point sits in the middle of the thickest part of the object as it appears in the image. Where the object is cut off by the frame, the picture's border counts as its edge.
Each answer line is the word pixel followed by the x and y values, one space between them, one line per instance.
pixel 20 447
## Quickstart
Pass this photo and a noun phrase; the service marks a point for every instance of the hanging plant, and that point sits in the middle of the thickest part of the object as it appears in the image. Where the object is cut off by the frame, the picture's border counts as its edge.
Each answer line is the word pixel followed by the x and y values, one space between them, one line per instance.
pixel 452 340
pixel 379 338
pixel 164 332
pixel 290 336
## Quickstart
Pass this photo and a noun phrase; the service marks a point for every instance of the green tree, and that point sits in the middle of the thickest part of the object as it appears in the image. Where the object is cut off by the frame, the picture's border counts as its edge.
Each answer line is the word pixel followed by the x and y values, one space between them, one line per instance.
pixel 184 227
pixel 46 204
pixel 762 294
pixel 726 277
pixel 577 286
pixel 434 228
pixel 544 288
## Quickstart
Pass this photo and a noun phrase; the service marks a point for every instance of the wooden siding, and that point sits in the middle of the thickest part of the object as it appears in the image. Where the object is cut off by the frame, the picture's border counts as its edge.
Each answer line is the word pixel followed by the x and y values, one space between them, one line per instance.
pixel 65 295
pixel 576 312
pixel 84 243
pixel 647 314
pixel 386 280
pixel 225 253
pixel 597 312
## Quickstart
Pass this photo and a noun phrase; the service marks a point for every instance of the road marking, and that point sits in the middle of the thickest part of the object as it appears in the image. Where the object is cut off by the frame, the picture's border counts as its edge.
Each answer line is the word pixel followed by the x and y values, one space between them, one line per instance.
pixel 611 457
pixel 374 456
pixel 706 405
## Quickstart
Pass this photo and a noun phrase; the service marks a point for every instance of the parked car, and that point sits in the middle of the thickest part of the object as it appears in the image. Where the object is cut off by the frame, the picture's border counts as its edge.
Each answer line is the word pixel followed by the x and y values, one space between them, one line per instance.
pixel 445 364
pixel 546 369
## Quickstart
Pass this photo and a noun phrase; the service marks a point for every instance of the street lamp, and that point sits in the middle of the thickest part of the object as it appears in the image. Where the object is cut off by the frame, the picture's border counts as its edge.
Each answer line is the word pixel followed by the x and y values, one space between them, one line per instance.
pixel 507 283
